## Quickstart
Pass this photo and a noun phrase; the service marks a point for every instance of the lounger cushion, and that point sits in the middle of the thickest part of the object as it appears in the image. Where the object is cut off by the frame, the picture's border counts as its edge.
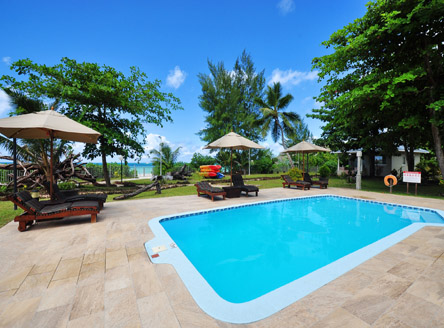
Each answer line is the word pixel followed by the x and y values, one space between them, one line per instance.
pixel 85 204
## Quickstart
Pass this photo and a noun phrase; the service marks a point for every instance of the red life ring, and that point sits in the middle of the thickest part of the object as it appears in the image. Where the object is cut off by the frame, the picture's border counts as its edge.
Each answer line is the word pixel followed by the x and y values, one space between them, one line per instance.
pixel 390 177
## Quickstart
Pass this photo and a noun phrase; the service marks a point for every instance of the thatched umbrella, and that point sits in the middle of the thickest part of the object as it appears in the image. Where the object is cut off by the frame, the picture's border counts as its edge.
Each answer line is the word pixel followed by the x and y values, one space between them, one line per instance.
pixel 305 147
pixel 233 141
pixel 47 125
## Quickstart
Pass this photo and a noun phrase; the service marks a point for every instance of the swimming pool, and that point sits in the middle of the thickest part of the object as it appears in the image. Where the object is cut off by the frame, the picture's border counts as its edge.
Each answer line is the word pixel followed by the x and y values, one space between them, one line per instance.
pixel 246 262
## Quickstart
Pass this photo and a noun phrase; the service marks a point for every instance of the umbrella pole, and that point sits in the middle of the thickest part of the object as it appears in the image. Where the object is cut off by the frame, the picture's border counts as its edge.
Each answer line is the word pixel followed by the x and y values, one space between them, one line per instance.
pixel 231 170
pixel 14 166
pixel 51 178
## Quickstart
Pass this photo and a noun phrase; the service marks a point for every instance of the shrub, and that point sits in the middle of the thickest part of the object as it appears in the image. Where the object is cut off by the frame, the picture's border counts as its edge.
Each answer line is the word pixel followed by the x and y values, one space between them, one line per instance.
pixel 67 185
pixel 295 173
pixel 324 171
pixel 262 165
pixel 332 165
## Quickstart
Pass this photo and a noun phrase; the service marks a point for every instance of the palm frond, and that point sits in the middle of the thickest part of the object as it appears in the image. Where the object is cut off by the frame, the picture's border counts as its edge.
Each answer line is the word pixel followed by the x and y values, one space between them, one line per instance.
pixel 284 101
pixel 275 131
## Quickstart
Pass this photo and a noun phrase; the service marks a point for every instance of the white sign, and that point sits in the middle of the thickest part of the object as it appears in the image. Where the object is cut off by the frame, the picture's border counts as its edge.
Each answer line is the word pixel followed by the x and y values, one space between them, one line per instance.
pixel 411 177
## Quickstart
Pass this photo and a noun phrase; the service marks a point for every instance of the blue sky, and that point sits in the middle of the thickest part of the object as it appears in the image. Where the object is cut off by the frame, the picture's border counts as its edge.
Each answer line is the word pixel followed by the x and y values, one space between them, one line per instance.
pixel 172 41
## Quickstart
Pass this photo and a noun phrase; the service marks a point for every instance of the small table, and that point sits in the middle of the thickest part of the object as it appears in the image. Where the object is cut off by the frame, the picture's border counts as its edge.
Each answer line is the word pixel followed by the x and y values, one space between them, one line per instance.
pixel 232 192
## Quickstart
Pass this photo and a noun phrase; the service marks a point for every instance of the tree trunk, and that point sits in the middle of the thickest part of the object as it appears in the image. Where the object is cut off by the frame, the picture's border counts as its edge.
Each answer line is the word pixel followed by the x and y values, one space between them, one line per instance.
pixel 437 143
pixel 140 190
pixel 409 157
pixel 283 144
pixel 105 169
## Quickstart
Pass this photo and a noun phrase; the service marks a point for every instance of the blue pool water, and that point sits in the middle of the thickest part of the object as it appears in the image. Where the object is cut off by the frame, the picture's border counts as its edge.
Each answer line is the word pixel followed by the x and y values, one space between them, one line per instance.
pixel 246 252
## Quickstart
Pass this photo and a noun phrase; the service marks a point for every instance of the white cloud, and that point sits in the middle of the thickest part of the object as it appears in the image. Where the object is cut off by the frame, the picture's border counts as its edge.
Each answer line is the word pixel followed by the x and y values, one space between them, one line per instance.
pixel 275 147
pixel 176 77
pixel 6 60
pixel 153 140
pixel 5 106
pixel 286 6
pixel 290 77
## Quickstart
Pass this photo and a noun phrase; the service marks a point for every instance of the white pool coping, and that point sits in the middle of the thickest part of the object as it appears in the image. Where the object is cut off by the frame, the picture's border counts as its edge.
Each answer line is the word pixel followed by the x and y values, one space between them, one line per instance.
pixel 276 300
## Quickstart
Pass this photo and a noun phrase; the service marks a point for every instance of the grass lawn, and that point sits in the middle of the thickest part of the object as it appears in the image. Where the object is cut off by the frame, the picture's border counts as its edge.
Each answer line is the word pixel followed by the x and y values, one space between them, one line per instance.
pixel 376 184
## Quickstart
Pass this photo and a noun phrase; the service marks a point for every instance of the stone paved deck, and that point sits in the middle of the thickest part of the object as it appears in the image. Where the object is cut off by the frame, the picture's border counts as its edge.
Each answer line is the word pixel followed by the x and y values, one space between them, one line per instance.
pixel 72 273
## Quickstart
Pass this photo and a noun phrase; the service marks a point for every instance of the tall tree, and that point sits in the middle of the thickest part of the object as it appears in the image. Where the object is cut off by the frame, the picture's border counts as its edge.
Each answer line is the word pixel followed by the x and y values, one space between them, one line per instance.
pixel 228 98
pixel 35 151
pixel 274 119
pixel 102 98
pixel 165 157
pixel 385 79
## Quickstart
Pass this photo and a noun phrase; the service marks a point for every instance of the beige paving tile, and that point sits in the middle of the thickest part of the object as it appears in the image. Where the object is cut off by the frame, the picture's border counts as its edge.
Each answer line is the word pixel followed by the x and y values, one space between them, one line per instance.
pixel 68 268
pixel 340 318
pixel 54 317
pixel 6 297
pixel 121 309
pixel 368 305
pixel 94 257
pixel 58 295
pixel 352 282
pixel 38 282
pixel 134 249
pixel 146 283
pixel 88 300
pixel 68 281
pixel 295 315
pixel 92 273
pixel 417 312
pixel 118 278
pixel 189 319
pixel 390 285
pixel 324 300
pixel 18 314
pixel 430 290
pixel 116 258
pixel 389 321
pixel 406 270
pixel 50 267
pixel 375 267
pixel 155 311
pixel 139 262
pixel 95 320
pixel 14 278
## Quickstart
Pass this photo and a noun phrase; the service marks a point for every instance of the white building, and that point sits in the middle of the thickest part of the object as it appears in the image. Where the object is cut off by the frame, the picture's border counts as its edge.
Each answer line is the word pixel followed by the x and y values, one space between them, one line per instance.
pixel 383 164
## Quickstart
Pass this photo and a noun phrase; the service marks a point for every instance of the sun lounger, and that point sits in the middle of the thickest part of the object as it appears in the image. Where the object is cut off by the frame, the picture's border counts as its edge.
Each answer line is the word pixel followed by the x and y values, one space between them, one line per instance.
pixel 207 189
pixel 38 211
pixel 288 181
pixel 74 196
pixel 238 181
pixel 321 184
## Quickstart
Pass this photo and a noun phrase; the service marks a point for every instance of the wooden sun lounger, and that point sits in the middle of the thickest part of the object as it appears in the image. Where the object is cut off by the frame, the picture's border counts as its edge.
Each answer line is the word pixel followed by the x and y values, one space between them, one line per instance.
pixel 207 189
pixel 38 211
pixel 288 181
pixel 74 196
pixel 321 184
pixel 238 181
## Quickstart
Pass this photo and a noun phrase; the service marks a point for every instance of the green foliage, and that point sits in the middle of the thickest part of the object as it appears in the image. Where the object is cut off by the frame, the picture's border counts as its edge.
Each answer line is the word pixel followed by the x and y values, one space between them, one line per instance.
pixel 263 161
pixel 274 119
pixel 67 185
pixel 113 169
pixel 295 173
pixel 429 169
pixel 324 171
pixel 102 98
pixel 198 159
pixel 384 80
pixel 332 166
pixel 228 98
pixel 166 156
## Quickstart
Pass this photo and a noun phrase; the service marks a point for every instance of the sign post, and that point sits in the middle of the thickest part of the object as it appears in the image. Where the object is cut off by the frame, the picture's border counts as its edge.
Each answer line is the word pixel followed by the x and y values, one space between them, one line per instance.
pixel 411 177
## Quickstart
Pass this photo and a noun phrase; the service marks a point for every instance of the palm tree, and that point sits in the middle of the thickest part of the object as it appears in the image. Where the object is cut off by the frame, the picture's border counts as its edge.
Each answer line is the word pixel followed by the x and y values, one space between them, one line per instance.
pixel 274 119
pixel 166 155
